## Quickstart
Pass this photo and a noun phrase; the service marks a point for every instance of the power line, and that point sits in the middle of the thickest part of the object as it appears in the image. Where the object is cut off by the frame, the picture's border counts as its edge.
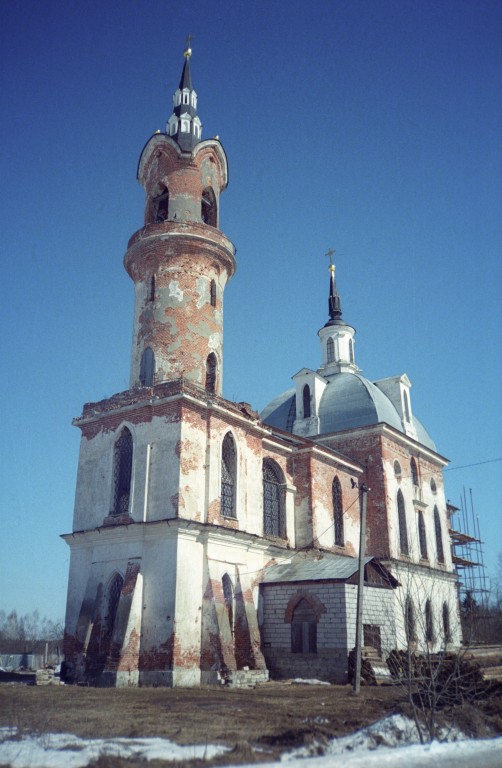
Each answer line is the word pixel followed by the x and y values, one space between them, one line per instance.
pixel 476 464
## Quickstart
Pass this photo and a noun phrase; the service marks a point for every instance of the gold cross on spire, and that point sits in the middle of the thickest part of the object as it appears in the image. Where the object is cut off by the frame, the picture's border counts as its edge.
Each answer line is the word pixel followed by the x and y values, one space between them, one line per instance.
pixel 188 49
pixel 330 253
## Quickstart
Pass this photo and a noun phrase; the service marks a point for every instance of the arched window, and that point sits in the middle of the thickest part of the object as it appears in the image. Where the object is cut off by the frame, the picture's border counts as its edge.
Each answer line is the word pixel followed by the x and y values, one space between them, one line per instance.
pixel 212 293
pixel 122 473
pixel 147 368
pixel 211 370
pixel 306 401
pixel 304 629
pixel 151 295
pixel 409 621
pixel 330 350
pixel 406 402
pixel 336 492
pixel 414 471
pixel 228 473
pixel 161 206
pixel 446 623
pixel 433 486
pixel 273 500
pixel 228 598
pixel 397 469
pixel 439 536
pixel 114 590
pixel 422 538
pixel 209 210
pixel 403 531
pixel 429 622
pixel 351 351
pixel 185 126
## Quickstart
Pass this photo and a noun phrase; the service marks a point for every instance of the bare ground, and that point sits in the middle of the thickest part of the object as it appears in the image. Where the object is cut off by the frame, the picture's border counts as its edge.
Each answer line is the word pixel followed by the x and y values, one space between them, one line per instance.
pixel 275 717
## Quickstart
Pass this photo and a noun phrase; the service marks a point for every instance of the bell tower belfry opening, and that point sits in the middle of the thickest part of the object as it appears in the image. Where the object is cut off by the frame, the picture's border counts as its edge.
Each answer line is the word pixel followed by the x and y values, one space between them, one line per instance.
pixel 181 250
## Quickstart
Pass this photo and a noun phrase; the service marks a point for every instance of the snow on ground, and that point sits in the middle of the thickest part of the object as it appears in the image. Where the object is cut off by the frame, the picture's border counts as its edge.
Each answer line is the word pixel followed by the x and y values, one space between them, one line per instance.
pixel 62 750
pixel 389 743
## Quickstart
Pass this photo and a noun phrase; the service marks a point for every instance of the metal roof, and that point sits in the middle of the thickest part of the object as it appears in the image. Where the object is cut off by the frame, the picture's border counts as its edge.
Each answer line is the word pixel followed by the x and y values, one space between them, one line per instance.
pixel 325 567
pixel 348 401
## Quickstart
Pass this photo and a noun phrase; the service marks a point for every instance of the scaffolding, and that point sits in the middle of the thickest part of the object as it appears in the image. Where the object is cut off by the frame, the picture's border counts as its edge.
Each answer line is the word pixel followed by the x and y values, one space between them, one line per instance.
pixel 467 551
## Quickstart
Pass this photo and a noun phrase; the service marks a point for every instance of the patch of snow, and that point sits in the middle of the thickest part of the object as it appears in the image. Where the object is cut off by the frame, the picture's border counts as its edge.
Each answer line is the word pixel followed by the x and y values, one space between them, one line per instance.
pixel 311 681
pixel 392 731
pixel 63 750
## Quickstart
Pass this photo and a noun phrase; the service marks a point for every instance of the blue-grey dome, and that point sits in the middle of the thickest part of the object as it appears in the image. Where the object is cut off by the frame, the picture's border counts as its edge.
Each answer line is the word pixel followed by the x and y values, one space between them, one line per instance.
pixel 348 401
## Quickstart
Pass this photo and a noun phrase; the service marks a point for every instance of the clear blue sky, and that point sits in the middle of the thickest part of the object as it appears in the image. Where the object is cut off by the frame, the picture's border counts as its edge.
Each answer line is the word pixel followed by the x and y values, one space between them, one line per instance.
pixel 370 126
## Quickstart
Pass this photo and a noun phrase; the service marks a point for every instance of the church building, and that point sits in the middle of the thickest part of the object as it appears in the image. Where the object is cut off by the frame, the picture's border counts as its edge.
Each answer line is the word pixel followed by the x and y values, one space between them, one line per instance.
pixel 212 544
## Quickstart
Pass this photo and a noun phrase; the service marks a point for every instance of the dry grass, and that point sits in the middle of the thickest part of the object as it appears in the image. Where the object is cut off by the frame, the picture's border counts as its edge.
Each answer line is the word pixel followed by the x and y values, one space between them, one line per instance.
pixel 275 716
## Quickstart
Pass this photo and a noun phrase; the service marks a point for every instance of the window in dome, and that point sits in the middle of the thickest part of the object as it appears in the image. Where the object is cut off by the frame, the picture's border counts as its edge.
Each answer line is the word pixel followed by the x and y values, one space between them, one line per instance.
pixel 306 401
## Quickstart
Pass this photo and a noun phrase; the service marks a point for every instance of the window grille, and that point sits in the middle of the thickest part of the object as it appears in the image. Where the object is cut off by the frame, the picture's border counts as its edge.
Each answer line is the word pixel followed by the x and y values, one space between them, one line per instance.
pixel 122 472
pixel 422 537
pixel 403 532
pixel 228 472
pixel 336 491
pixel 439 536
pixel 114 591
pixel 330 350
pixel 273 502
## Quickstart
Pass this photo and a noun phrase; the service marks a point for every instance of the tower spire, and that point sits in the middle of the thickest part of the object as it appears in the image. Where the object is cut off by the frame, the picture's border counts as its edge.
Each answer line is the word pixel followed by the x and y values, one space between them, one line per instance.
pixel 334 301
pixel 184 125
pixel 337 338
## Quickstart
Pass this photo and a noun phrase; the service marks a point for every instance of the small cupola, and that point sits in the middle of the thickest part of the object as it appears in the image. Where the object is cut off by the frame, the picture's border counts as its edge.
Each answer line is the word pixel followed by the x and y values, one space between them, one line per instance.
pixel 337 338
pixel 184 125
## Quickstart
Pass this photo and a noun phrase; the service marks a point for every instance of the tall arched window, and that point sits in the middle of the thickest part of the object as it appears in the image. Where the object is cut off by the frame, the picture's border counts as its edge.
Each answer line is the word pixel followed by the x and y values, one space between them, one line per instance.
pixel 122 473
pixel 209 211
pixel 429 622
pixel 409 621
pixel 228 475
pixel 304 629
pixel 414 471
pixel 147 368
pixel 211 370
pixel 439 536
pixel 306 401
pixel 114 590
pixel 422 537
pixel 228 598
pixel 273 500
pixel 330 350
pixel 403 531
pixel 212 293
pixel 336 492
pixel 351 351
pixel 446 623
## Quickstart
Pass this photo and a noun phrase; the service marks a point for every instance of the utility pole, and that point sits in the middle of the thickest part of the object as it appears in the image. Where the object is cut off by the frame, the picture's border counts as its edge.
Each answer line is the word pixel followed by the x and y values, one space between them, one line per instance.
pixel 363 492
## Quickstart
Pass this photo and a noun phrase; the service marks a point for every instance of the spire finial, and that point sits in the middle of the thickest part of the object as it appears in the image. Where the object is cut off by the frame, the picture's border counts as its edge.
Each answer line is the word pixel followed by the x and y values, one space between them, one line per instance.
pixel 330 253
pixel 188 49
pixel 334 303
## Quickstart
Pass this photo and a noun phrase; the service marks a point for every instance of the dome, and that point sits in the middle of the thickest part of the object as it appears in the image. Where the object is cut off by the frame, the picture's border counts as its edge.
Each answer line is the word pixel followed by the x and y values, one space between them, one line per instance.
pixel 348 401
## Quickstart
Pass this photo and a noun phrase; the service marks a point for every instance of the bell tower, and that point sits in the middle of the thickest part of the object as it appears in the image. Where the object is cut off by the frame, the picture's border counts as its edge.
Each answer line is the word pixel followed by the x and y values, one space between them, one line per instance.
pixel 179 260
